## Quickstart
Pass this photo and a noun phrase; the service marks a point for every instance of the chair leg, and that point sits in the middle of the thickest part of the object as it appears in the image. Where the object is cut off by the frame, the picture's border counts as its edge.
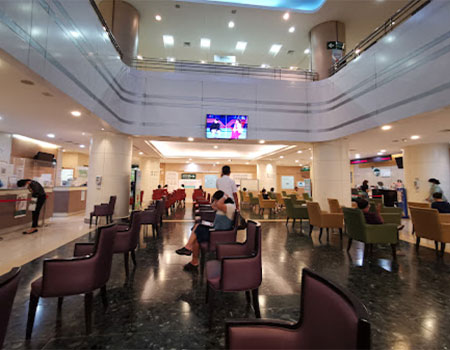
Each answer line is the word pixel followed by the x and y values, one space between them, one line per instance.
pixel 349 245
pixel 133 257
pixel 328 234
pixel 442 249
pixel 256 303
pixel 210 295
pixel 436 247
pixel 310 229
pixel 293 223
pixel 90 221
pixel 34 300
pixel 394 251
pixel 287 220
pixel 125 260
pixel 202 261
pixel 104 297
pixel 417 244
pixel 340 233
pixel 96 221
pixel 60 302
pixel 247 296
pixel 320 234
pixel 88 311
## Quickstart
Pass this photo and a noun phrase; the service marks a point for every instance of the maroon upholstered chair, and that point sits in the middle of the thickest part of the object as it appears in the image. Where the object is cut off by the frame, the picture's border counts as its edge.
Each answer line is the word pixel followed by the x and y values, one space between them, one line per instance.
pixel 8 288
pixel 126 241
pixel 160 207
pixel 330 318
pixel 104 209
pixel 237 268
pixel 78 275
pixel 150 217
pixel 217 237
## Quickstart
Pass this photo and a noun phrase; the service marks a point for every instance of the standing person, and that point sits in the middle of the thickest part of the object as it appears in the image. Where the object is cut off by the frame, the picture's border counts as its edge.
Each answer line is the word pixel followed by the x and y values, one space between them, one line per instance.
pixel 365 188
pixel 37 191
pixel 435 188
pixel 227 185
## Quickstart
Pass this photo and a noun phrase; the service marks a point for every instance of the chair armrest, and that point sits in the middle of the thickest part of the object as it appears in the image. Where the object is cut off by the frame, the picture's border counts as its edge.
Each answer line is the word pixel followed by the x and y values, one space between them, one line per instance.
pixel 332 219
pixel 444 218
pixel 241 273
pixel 231 250
pixel 384 233
pixel 83 249
pixel 391 218
pixel 216 237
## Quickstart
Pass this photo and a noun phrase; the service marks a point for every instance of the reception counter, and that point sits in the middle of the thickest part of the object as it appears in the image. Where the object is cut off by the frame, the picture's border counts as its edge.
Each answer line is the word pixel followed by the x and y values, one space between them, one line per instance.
pixel 69 200
pixel 14 213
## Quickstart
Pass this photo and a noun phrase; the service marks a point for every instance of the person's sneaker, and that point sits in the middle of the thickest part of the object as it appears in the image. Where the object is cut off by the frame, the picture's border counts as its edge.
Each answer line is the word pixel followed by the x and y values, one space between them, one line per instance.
pixel 190 267
pixel 183 251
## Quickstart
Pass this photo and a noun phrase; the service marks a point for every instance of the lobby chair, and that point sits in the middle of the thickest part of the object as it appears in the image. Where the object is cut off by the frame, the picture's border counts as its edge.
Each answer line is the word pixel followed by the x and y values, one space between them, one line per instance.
pixel 254 201
pixel 334 205
pixel 358 230
pixel 8 288
pixel 150 217
pixel 266 204
pixel 272 195
pixel 418 205
pixel 218 237
pixel 322 219
pixel 104 209
pixel 429 224
pixel 390 215
pixel 280 200
pixel 294 211
pixel 284 193
pixel 306 197
pixel 79 275
pixel 330 318
pixel 237 268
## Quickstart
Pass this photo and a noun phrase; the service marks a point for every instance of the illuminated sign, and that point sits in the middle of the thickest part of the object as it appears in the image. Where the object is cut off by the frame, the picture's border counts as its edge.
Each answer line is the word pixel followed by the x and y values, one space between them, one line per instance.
pixel 371 160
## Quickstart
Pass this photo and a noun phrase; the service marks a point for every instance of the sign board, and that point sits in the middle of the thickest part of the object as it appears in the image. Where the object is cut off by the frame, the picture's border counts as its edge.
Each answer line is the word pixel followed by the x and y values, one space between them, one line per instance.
pixel 21 205
pixel 335 45
pixel 210 181
pixel 238 177
pixel 188 176
pixel 300 183
pixel 172 179
pixel 191 183
pixel 287 182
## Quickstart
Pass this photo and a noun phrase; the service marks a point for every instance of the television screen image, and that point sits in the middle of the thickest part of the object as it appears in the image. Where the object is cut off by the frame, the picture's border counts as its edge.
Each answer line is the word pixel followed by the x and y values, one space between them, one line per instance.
pixel 230 127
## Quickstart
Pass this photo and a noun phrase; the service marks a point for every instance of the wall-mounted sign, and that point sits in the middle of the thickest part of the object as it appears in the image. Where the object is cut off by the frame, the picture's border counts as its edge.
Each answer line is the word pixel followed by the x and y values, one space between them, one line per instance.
pixel 305 168
pixel 335 45
pixel 371 160
pixel 188 176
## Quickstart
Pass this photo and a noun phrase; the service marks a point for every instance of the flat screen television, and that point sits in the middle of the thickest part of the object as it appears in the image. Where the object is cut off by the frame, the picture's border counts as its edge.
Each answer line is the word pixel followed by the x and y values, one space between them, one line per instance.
pixel 229 127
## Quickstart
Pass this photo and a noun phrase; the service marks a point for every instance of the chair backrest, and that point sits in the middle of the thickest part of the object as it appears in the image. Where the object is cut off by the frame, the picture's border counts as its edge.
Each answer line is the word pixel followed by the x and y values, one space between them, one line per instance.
pixel 314 213
pixel 102 257
pixel 272 195
pixel 160 207
pixel 8 288
pixel 289 207
pixel 355 223
pixel 293 197
pixel 419 205
pixel 426 223
pixel 112 204
pixel 334 205
pixel 330 317
pixel 306 196
pixel 284 193
pixel 135 228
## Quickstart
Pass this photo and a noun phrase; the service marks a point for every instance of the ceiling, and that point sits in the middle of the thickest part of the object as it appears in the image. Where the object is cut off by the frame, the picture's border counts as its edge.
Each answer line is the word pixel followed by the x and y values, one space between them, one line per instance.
pixel 260 28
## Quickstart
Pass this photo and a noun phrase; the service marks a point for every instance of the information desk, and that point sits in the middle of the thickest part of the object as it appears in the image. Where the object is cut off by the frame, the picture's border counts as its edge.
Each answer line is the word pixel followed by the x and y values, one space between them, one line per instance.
pixel 14 213
pixel 69 200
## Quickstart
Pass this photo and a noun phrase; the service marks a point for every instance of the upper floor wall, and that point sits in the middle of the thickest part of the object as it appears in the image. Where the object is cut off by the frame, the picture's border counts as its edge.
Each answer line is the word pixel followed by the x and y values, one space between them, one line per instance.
pixel 404 74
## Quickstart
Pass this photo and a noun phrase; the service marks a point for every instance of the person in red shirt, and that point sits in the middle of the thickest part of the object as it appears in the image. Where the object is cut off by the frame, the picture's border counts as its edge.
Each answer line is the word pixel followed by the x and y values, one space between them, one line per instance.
pixel 372 218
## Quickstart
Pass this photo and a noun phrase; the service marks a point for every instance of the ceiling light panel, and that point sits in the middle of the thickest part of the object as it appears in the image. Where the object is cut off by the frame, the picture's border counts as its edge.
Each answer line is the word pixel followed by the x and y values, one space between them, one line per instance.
pixel 241 46
pixel 275 49
pixel 231 24
pixel 205 43
pixel 168 40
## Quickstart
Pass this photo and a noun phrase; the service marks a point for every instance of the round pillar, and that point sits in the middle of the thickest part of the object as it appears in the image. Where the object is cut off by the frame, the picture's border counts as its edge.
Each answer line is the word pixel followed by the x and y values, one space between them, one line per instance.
pixel 321 56
pixel 422 162
pixel 150 172
pixel 109 171
pixel 267 175
pixel 123 20
pixel 331 173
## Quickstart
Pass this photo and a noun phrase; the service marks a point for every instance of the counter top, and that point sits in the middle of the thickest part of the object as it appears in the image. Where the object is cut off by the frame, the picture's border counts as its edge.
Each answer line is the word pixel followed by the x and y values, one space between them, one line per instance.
pixel 68 188
pixel 12 191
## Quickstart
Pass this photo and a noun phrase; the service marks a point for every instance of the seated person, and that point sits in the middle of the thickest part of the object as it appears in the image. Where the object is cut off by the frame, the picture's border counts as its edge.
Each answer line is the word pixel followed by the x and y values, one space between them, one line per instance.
pixel 264 194
pixel 225 209
pixel 372 218
pixel 442 206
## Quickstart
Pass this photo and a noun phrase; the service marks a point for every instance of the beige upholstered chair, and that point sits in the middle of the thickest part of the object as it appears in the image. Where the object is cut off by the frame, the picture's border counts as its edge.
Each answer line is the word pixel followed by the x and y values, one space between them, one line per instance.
pixel 323 219
pixel 266 204
pixel 335 207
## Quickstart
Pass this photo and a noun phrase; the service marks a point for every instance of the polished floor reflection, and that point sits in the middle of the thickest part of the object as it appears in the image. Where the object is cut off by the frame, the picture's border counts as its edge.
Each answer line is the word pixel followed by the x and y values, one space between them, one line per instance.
pixel 161 306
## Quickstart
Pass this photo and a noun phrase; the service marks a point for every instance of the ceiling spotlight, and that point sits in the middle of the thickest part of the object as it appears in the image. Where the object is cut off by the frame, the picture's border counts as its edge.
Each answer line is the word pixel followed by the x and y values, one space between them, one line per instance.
pixel 292 68
pixel 300 164
pixel 170 59
pixel 247 163
pixel 296 161
pixel 386 127
pixel 190 139
pixel 52 136
pixel 202 62
pixel 307 51
pixel 141 153
pixel 168 40
pixel 63 150
pixel 139 57
pixel 82 146
pixel 264 65
pixel 383 151
pixel 275 48
pixel 311 158
pixel 83 133
pixel 357 155
pixel 231 24
pixel 241 46
pixel 76 113
pixel 102 129
pixel 217 162
pixel 291 29
pixel 158 18
pixel 379 153
pixel 216 147
pixel 262 141
pixel 286 16
pixel 187 161
pixel 415 137
pixel 205 43
pixel 300 151
pixel 1 118
pixel 281 157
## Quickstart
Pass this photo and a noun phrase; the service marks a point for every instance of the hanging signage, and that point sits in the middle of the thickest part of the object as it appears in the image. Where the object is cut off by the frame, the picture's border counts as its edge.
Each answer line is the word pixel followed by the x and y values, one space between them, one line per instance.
pixel 371 160
pixel 188 176
pixel 335 45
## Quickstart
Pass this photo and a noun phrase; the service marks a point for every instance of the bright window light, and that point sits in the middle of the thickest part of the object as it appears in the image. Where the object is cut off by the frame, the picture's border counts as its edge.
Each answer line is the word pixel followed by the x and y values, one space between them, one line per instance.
pixel 36 142
pixel 205 43
pixel 168 40
pixel 275 48
pixel 241 46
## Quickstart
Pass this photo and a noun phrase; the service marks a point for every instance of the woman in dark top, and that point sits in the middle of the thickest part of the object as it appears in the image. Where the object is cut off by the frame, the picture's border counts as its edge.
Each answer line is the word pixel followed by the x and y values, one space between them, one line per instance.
pixel 37 191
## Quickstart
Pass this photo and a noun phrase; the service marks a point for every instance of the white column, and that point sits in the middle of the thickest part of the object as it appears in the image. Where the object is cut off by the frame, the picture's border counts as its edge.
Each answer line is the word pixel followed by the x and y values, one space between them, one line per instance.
pixel 331 173
pixel 266 173
pixel 110 159
pixel 59 158
pixel 422 162
pixel 150 172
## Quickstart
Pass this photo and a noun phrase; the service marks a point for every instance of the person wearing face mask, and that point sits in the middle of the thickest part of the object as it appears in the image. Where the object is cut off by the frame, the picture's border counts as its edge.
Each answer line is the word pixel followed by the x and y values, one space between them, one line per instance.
pixel 225 209
pixel 435 188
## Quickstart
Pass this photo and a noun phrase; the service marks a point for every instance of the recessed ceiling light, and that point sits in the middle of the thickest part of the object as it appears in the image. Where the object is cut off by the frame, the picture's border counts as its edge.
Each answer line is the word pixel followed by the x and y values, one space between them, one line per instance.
pixel 139 57
pixel 379 153
pixel 383 151
pixel 190 158
pixel 76 113
pixel 74 33
pixel 102 129
pixel 231 24
pixel 357 155
pixel 205 43
pixel 52 136
pixel 241 46
pixel 300 164
pixel 262 141
pixel 286 16
pixel 281 157
pixel 264 65
pixel 187 161
pixel 247 163
pixel 158 18
pixel 386 127
pixel 310 149
pixel 292 68
pixel 311 158
pixel 275 48
pixel 190 139
pixel 170 59
pixel 300 151
pixel 141 153
pixel 63 150
pixel 202 62
pixel 217 163
pixel 216 147
pixel 296 161
pixel 415 137
pixel 291 29
pixel 83 133
pixel 82 146
pixel 307 51
pixel 168 40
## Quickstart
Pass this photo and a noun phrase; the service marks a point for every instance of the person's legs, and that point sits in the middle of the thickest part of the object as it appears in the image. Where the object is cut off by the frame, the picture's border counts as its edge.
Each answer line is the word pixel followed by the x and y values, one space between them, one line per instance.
pixel 35 215
pixel 195 253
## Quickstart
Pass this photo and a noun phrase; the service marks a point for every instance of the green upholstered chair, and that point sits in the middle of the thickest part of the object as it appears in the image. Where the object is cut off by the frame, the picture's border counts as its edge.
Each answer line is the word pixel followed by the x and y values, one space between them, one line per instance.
pixel 306 197
pixel 253 200
pixel 284 193
pixel 390 215
pixel 358 230
pixel 272 195
pixel 294 211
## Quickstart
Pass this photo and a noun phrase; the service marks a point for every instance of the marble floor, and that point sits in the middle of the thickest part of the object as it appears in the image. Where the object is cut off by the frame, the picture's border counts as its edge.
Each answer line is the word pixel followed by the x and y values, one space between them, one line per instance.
pixel 162 307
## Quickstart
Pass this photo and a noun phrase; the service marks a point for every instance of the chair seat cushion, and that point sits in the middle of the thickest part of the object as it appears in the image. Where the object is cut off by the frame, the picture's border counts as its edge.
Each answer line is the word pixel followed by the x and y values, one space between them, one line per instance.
pixel 36 287
pixel 213 273
pixel 122 227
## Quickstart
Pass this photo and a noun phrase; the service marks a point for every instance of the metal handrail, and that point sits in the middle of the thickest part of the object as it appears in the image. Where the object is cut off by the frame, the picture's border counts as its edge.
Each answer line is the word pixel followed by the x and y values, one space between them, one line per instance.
pixel 398 17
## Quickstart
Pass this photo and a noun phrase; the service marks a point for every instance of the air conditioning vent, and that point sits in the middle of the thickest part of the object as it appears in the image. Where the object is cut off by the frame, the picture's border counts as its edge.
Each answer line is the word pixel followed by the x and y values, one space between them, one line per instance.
pixel 187 44
pixel 290 52
pixel 445 130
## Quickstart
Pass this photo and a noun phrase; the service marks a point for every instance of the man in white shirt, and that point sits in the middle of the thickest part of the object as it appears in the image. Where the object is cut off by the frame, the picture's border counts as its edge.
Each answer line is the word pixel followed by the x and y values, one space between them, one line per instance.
pixel 227 185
